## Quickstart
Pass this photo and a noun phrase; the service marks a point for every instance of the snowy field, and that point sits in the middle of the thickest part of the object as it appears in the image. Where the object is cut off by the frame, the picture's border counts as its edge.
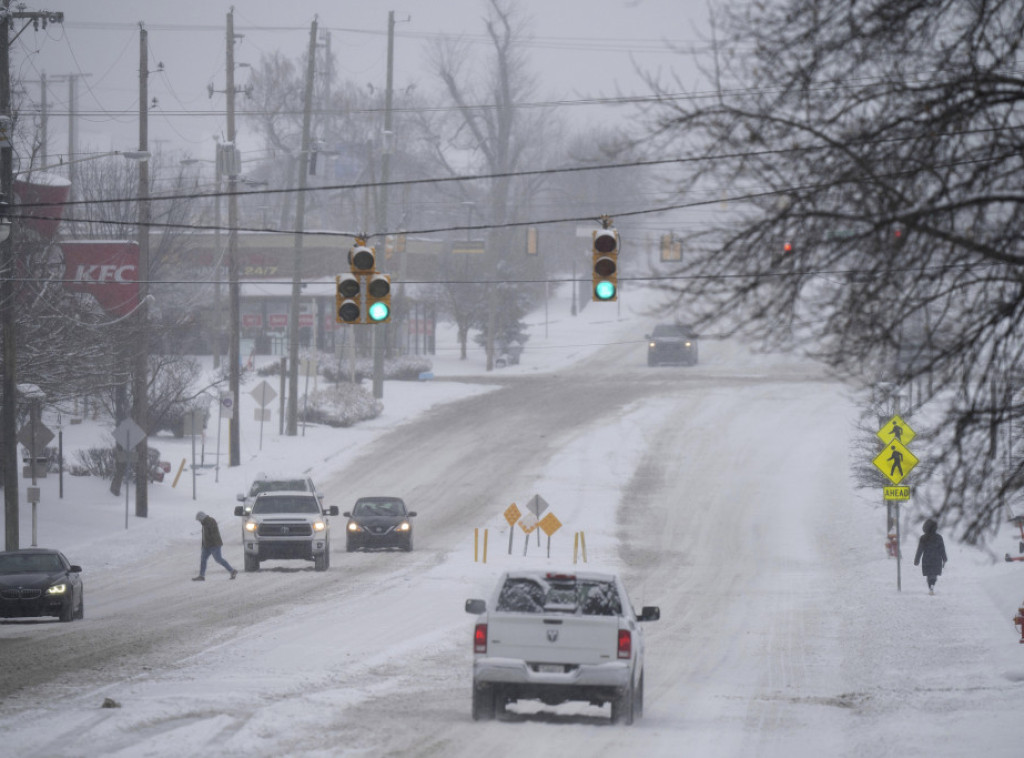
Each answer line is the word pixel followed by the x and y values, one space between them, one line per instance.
pixel 824 657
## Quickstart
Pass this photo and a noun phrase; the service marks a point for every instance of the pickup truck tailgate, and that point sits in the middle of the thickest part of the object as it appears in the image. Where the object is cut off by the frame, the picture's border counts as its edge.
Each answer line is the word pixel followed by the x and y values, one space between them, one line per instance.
pixel 553 638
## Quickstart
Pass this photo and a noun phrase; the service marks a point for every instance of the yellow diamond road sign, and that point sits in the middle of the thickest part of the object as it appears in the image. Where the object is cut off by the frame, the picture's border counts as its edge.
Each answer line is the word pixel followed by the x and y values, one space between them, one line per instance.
pixel 895 461
pixel 896 430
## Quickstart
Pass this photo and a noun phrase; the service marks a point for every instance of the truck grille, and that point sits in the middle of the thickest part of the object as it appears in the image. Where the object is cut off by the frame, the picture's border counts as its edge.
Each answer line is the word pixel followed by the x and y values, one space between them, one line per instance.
pixel 298 529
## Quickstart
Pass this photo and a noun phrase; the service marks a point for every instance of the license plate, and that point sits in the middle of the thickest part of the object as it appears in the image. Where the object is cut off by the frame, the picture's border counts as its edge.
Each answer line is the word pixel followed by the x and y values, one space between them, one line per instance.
pixel 550 668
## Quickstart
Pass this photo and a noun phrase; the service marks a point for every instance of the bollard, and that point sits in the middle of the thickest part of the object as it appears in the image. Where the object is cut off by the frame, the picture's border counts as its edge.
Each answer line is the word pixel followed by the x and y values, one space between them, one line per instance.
pixel 1018 620
pixel 178 475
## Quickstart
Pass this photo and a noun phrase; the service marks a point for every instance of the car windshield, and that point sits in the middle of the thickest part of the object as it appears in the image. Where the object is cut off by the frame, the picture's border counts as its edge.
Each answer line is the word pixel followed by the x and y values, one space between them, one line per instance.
pixel 586 597
pixel 672 330
pixel 277 485
pixel 26 564
pixel 285 504
pixel 364 508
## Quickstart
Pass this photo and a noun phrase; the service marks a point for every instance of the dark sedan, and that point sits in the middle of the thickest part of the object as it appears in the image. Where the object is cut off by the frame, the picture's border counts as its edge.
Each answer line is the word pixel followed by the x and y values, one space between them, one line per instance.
pixel 379 522
pixel 672 343
pixel 38 582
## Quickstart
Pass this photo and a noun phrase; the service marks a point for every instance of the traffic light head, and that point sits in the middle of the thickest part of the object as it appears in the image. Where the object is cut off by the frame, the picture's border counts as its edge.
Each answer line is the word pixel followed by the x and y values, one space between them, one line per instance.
pixel 606 265
pixel 378 299
pixel 362 259
pixel 346 299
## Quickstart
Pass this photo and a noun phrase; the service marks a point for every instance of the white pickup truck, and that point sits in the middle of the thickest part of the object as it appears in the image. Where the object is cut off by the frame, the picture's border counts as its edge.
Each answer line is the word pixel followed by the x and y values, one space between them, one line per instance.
pixel 559 637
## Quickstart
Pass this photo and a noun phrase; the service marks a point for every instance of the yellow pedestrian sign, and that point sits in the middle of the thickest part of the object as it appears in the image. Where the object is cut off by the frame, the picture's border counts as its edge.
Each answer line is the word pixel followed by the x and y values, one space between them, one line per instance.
pixel 895 461
pixel 896 430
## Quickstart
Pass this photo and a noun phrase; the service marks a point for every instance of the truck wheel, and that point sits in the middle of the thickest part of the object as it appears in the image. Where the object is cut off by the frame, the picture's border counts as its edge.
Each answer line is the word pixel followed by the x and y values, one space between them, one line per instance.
pixel 483 702
pixel 252 563
pixel 622 706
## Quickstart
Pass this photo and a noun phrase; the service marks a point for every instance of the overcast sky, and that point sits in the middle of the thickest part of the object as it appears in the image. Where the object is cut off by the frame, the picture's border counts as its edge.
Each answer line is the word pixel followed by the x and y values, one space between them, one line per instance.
pixel 579 49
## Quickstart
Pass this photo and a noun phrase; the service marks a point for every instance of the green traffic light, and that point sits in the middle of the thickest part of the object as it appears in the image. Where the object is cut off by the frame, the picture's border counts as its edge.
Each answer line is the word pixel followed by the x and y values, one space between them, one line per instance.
pixel 378 312
pixel 604 290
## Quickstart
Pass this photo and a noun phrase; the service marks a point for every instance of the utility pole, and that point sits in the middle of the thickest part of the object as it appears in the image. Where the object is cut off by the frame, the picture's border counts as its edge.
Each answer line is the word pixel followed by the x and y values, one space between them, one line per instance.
pixel 380 330
pixel 300 221
pixel 71 79
pixel 8 383
pixel 234 353
pixel 140 374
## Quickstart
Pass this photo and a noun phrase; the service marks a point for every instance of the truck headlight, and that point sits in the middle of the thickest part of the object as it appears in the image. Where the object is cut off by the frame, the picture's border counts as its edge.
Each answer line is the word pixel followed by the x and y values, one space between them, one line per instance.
pixel 319 526
pixel 250 526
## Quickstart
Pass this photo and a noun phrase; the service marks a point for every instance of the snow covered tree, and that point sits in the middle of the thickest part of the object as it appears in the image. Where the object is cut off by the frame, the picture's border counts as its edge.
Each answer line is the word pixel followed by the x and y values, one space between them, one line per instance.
pixel 871 155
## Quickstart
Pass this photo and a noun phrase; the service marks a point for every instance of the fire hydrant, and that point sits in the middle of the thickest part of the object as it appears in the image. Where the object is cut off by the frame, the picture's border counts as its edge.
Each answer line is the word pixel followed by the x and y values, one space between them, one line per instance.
pixel 1018 620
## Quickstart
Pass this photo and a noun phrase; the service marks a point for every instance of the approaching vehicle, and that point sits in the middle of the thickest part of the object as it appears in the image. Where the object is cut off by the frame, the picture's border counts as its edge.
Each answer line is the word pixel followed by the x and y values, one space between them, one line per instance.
pixel 379 522
pixel 672 343
pixel 271 483
pixel 286 526
pixel 39 582
pixel 557 637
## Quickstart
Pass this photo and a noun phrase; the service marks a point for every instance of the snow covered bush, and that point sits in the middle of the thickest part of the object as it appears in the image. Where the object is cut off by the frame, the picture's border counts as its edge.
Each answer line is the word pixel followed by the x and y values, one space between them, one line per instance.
pixel 341 404
pixel 401 368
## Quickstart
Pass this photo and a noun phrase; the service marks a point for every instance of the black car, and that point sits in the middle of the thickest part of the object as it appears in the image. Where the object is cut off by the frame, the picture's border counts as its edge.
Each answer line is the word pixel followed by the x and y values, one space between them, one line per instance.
pixel 40 582
pixel 672 343
pixel 379 522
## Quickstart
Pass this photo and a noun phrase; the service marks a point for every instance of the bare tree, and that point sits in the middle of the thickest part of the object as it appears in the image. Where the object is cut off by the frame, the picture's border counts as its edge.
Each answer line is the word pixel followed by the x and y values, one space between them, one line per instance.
pixel 488 124
pixel 871 156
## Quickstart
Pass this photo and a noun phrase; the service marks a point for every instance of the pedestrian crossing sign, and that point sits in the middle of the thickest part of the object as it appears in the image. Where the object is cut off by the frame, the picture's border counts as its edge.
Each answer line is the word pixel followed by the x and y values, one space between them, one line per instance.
pixel 895 461
pixel 896 430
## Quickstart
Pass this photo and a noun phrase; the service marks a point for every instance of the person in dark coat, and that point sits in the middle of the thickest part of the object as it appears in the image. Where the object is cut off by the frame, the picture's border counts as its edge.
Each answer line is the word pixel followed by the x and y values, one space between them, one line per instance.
pixel 931 554
pixel 212 544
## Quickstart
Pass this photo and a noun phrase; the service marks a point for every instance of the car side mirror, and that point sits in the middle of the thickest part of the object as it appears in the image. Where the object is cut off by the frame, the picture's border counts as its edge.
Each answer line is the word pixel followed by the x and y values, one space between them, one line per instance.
pixel 647 337
pixel 332 511
pixel 75 569
pixel 649 613
pixel 410 514
pixel 347 514
pixel 476 606
pixel 240 497
pixel 239 510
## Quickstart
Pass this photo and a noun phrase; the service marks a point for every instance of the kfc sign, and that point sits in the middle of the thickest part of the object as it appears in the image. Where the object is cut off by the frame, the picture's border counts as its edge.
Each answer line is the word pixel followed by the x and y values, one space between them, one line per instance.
pixel 109 271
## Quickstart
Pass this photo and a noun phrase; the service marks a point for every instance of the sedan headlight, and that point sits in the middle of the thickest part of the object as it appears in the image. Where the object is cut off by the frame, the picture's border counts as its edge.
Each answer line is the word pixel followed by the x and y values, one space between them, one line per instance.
pixel 652 345
pixel 57 589
pixel 354 527
pixel 319 526
pixel 404 526
pixel 250 526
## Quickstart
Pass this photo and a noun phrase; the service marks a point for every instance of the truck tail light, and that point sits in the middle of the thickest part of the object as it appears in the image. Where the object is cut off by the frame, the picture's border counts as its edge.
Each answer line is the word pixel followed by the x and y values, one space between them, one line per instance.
pixel 625 643
pixel 480 639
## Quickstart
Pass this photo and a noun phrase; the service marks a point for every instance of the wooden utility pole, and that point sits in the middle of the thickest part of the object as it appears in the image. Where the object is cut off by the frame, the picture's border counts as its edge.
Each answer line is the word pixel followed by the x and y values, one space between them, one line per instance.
pixel 8 382
pixel 380 330
pixel 140 374
pixel 300 222
pixel 232 168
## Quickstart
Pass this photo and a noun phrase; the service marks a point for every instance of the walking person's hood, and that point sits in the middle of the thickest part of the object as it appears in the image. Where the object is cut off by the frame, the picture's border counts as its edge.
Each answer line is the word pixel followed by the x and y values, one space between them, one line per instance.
pixel 200 516
pixel 930 526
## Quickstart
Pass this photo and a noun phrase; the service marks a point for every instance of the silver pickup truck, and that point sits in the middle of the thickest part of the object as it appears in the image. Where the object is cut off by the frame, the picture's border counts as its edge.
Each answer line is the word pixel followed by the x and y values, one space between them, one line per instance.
pixel 559 637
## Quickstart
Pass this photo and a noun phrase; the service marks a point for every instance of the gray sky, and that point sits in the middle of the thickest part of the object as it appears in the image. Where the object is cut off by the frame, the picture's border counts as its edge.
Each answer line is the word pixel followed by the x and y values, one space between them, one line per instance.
pixel 580 48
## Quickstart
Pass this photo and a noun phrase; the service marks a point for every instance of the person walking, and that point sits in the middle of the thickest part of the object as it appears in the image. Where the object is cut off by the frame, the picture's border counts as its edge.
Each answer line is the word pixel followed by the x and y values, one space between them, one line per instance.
pixel 212 544
pixel 931 554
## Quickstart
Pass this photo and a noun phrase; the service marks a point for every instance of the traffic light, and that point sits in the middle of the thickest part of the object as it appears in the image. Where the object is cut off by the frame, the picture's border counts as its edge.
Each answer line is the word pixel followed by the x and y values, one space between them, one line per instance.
pixel 346 299
pixel 606 265
pixel 362 259
pixel 787 248
pixel 378 299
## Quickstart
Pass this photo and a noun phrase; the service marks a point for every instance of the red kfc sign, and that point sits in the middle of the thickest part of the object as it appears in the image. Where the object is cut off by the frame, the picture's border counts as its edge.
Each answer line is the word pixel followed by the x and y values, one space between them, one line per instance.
pixel 109 271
